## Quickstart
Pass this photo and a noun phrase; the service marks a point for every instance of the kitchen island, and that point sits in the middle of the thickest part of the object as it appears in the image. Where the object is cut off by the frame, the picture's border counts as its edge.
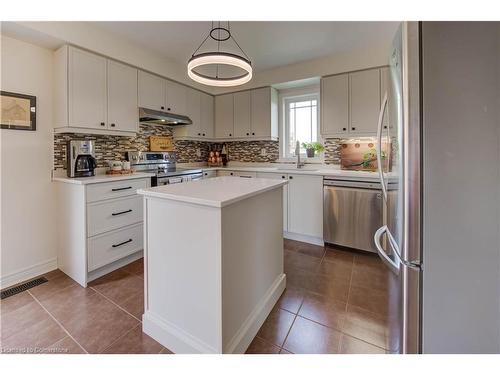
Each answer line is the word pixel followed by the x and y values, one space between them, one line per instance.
pixel 213 253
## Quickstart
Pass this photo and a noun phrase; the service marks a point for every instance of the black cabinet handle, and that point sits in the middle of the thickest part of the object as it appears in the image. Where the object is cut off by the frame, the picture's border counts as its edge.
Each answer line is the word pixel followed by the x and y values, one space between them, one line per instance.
pixel 112 125
pixel 230 135
pixel 206 174
pixel 199 133
pixel 253 133
pixel 122 243
pixel 121 213
pixel 231 173
pixel 291 177
pixel 344 129
pixel 385 126
pixel 282 176
pixel 162 107
pixel 125 188
pixel 168 109
pixel 248 133
pixel 203 134
pixel 353 128
pixel 103 124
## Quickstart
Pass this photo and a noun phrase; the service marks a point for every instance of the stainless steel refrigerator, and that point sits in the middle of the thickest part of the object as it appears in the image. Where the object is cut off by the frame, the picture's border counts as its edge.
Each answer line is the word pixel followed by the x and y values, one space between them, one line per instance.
pixel 440 237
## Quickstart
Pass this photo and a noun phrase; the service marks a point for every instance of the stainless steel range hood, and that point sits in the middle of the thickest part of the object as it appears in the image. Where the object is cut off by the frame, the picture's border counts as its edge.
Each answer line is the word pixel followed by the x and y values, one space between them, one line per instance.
pixel 150 116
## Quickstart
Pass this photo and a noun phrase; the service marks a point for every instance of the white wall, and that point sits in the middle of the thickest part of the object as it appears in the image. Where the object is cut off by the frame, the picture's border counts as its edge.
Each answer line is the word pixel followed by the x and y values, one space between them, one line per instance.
pixel 28 233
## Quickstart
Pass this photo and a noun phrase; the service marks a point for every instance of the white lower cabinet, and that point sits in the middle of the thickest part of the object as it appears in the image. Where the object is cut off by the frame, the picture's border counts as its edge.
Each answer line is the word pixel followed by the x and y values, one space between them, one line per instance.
pixel 109 247
pixel 305 205
pixel 224 173
pixel 100 227
pixel 209 174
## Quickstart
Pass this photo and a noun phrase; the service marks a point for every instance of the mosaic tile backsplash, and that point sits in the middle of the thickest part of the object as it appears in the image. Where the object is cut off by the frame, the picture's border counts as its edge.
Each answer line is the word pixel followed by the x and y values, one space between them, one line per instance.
pixel 109 147
pixel 332 150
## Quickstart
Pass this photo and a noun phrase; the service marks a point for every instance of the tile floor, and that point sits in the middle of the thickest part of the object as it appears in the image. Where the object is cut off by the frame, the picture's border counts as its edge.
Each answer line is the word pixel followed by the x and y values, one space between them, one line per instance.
pixel 335 302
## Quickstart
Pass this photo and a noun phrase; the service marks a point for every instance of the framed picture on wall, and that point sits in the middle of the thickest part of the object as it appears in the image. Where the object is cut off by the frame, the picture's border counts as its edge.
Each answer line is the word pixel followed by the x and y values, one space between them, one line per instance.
pixel 17 111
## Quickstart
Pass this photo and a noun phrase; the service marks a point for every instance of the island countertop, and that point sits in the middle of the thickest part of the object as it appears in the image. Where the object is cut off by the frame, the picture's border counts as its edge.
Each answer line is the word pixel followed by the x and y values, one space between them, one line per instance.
pixel 214 192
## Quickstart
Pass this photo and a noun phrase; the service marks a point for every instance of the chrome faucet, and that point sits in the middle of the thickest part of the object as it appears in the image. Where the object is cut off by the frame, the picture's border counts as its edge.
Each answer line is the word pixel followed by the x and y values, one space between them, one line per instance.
pixel 297 152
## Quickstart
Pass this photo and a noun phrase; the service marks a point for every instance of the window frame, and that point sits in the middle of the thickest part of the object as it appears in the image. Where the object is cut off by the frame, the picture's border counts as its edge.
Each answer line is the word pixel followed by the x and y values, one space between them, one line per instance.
pixel 294 95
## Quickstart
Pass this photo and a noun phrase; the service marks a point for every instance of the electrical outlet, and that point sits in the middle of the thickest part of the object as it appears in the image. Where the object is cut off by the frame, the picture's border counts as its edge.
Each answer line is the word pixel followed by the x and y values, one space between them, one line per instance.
pixel 198 152
pixel 263 152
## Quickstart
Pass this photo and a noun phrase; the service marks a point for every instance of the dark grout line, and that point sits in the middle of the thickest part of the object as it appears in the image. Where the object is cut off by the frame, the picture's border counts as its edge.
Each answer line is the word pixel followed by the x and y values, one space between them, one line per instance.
pixel 58 323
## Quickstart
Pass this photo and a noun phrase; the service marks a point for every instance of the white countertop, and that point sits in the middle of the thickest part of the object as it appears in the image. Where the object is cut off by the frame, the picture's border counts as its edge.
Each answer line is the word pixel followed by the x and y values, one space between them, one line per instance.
pixel 214 192
pixel 99 178
pixel 320 170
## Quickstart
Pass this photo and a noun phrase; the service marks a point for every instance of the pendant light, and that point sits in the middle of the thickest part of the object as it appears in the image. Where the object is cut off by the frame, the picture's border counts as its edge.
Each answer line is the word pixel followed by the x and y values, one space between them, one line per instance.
pixel 219 59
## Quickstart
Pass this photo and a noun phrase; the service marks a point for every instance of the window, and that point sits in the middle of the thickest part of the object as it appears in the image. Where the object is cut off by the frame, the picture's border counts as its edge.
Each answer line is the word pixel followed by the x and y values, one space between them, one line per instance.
pixel 300 122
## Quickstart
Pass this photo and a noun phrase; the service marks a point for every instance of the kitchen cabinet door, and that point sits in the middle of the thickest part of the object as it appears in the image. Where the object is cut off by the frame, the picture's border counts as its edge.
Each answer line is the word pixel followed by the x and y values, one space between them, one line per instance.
pixel 123 112
pixel 305 205
pixel 207 115
pixel 151 91
pixel 87 103
pixel 335 105
pixel 384 86
pixel 194 113
pixel 224 116
pixel 177 98
pixel 364 92
pixel 264 115
pixel 242 114
pixel 221 173
pixel 279 176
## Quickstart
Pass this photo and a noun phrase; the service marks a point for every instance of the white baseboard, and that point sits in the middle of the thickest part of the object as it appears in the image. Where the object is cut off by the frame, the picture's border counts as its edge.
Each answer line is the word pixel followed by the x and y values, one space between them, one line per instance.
pixel 180 341
pixel 244 336
pixel 304 238
pixel 28 273
pixel 172 337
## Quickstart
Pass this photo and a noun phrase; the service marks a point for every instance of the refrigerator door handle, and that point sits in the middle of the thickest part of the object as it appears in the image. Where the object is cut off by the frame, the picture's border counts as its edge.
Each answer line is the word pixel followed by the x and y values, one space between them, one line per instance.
pixel 393 266
pixel 379 146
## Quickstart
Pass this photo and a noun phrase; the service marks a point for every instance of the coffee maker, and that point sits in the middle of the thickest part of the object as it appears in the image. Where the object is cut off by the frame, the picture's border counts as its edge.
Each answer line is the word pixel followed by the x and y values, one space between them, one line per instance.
pixel 80 158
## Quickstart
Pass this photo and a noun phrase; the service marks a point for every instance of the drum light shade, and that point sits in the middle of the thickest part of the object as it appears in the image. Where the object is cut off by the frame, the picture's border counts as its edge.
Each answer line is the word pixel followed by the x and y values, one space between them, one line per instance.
pixel 219 58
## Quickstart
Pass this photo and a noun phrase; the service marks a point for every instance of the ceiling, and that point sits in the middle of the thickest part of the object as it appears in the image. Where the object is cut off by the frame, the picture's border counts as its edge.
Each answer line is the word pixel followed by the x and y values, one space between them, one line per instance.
pixel 268 44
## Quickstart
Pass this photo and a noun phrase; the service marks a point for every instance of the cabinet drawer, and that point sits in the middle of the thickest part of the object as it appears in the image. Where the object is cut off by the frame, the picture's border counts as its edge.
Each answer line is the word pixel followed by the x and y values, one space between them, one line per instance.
pixel 108 190
pixel 109 247
pixel 245 174
pixel 113 214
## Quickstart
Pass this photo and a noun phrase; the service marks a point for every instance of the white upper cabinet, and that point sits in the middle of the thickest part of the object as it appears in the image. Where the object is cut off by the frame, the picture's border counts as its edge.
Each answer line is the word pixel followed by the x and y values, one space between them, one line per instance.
pixel 264 113
pixel 350 103
pixel 207 115
pixel 93 94
pixel 242 114
pixel 384 86
pixel 152 92
pixel 177 98
pixel 87 89
pixel 364 98
pixel 247 115
pixel 335 105
pixel 123 112
pixel 224 119
pixel 194 113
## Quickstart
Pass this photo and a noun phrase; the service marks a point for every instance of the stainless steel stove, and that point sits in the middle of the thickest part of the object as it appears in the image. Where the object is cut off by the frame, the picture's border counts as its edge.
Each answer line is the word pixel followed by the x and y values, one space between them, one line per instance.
pixel 164 166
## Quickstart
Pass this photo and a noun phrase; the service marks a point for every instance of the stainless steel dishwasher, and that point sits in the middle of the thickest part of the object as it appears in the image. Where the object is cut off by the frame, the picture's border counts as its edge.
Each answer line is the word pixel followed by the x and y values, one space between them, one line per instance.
pixel 352 213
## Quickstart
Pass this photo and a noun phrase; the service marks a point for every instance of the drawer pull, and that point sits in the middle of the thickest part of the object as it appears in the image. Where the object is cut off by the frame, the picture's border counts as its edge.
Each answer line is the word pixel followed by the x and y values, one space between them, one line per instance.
pixel 121 213
pixel 122 243
pixel 125 188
